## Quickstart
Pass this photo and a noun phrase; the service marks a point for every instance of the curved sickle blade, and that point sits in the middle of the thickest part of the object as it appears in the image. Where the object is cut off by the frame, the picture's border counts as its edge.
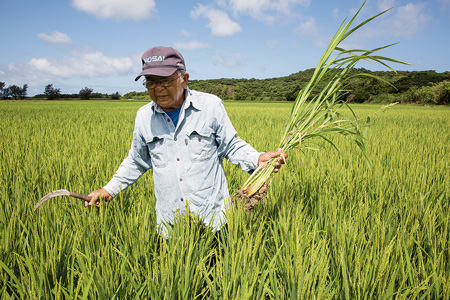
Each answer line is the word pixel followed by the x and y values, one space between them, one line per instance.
pixel 60 193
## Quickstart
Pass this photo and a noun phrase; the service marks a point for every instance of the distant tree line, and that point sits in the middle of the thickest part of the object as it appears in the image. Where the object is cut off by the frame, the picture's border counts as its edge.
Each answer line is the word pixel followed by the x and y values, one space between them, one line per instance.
pixel 52 93
pixel 421 87
pixel 13 91
pixel 86 93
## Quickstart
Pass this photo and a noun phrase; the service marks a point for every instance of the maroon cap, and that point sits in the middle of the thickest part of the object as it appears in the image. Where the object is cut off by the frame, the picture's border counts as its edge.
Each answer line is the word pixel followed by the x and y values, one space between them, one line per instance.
pixel 161 61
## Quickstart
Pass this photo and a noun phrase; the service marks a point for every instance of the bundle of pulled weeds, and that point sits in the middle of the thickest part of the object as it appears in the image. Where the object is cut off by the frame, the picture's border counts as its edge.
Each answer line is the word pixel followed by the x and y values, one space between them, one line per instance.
pixel 318 110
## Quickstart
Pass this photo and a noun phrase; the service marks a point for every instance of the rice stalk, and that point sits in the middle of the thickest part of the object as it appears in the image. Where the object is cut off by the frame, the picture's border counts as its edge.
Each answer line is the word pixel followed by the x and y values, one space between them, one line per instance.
pixel 319 114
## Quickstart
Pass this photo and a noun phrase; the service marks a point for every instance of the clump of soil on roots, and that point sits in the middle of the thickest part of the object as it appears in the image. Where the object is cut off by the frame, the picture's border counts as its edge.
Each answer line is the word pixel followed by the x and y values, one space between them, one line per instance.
pixel 250 202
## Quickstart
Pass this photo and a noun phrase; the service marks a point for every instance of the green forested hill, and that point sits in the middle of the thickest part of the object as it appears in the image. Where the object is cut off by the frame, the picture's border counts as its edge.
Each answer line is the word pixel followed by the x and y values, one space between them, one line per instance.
pixel 423 87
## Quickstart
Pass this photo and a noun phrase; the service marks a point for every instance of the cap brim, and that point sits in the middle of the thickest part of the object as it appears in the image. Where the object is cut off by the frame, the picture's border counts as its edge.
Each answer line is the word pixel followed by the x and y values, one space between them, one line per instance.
pixel 163 72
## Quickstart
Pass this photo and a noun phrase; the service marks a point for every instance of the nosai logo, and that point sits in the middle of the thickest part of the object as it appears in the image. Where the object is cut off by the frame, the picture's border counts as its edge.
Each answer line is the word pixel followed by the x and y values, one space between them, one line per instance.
pixel 154 58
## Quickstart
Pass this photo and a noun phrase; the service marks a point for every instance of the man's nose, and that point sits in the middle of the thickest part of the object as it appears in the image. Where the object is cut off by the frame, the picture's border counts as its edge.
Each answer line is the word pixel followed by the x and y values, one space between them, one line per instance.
pixel 158 85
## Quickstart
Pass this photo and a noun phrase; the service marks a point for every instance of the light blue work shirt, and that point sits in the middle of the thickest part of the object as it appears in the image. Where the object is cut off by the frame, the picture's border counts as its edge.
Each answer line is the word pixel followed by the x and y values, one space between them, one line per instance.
pixel 187 159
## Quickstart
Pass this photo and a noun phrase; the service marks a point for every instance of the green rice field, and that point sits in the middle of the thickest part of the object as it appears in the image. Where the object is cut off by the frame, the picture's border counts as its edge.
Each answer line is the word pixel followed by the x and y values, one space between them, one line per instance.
pixel 332 226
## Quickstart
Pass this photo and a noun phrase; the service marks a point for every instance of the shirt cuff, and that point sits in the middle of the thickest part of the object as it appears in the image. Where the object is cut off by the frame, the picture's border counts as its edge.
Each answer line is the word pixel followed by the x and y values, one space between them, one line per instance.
pixel 112 188
pixel 254 159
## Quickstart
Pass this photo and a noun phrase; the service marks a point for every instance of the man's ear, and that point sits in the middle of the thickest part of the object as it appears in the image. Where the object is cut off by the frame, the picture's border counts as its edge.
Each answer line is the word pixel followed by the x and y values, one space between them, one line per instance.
pixel 186 80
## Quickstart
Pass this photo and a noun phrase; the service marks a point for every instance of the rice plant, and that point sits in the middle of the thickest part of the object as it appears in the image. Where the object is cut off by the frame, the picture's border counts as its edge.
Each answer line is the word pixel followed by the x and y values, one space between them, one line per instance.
pixel 337 229
pixel 317 114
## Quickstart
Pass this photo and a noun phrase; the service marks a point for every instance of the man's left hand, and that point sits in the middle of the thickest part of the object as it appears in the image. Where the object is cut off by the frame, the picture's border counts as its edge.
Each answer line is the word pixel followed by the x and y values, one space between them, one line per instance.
pixel 265 157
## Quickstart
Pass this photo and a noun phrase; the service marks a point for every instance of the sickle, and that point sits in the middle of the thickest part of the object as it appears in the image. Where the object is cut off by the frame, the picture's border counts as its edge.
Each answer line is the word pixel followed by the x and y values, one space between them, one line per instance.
pixel 61 193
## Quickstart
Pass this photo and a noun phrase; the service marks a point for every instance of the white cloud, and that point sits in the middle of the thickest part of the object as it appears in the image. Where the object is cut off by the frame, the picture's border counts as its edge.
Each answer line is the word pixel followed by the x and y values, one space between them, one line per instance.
pixel 190 45
pixel 254 8
pixel 409 20
pixel 219 22
pixel 401 22
pixel 185 33
pixel 335 13
pixel 55 37
pixel 85 65
pixel 352 43
pixel 286 6
pixel 264 10
pixel 309 27
pixel 137 10
pixel 385 4
pixel 230 60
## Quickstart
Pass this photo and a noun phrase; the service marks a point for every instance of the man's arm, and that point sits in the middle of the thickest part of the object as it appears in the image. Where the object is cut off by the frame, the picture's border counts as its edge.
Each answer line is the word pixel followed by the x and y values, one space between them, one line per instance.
pixel 131 169
pixel 236 150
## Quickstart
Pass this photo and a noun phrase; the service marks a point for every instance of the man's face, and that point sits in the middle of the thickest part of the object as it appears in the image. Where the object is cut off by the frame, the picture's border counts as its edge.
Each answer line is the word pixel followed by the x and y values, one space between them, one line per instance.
pixel 169 97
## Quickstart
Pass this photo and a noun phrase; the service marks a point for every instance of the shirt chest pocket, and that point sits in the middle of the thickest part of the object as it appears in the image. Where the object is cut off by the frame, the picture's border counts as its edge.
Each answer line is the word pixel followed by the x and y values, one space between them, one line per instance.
pixel 158 152
pixel 201 145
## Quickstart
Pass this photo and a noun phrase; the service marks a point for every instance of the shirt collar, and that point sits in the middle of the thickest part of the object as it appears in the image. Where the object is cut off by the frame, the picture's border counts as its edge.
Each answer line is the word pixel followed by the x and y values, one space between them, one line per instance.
pixel 190 100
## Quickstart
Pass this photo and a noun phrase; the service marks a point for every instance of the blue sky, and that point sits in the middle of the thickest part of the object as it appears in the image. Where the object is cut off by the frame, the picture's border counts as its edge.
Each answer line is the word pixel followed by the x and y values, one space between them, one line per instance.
pixel 74 44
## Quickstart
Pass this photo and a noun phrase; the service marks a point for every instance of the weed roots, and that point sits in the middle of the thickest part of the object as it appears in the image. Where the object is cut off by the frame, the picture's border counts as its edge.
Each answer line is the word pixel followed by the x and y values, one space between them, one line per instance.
pixel 250 202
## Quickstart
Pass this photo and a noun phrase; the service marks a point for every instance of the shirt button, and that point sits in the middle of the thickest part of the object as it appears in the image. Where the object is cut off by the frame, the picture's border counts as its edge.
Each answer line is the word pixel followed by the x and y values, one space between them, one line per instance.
pixel 181 199
pixel 178 159
pixel 181 179
pixel 168 120
pixel 175 139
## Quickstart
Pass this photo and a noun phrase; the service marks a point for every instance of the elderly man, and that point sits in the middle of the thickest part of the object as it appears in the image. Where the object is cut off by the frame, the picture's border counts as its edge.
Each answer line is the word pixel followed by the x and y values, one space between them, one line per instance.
pixel 182 135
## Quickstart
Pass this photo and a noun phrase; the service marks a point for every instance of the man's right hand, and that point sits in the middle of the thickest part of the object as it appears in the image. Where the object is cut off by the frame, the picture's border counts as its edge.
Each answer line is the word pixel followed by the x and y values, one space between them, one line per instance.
pixel 97 196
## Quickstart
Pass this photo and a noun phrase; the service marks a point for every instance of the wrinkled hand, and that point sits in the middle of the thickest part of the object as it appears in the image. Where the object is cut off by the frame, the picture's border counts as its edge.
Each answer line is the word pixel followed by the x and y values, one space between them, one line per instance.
pixel 265 157
pixel 97 196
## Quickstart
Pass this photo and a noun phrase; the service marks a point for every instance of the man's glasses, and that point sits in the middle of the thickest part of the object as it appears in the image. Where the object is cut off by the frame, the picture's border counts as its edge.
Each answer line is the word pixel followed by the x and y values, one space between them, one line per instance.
pixel 163 83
